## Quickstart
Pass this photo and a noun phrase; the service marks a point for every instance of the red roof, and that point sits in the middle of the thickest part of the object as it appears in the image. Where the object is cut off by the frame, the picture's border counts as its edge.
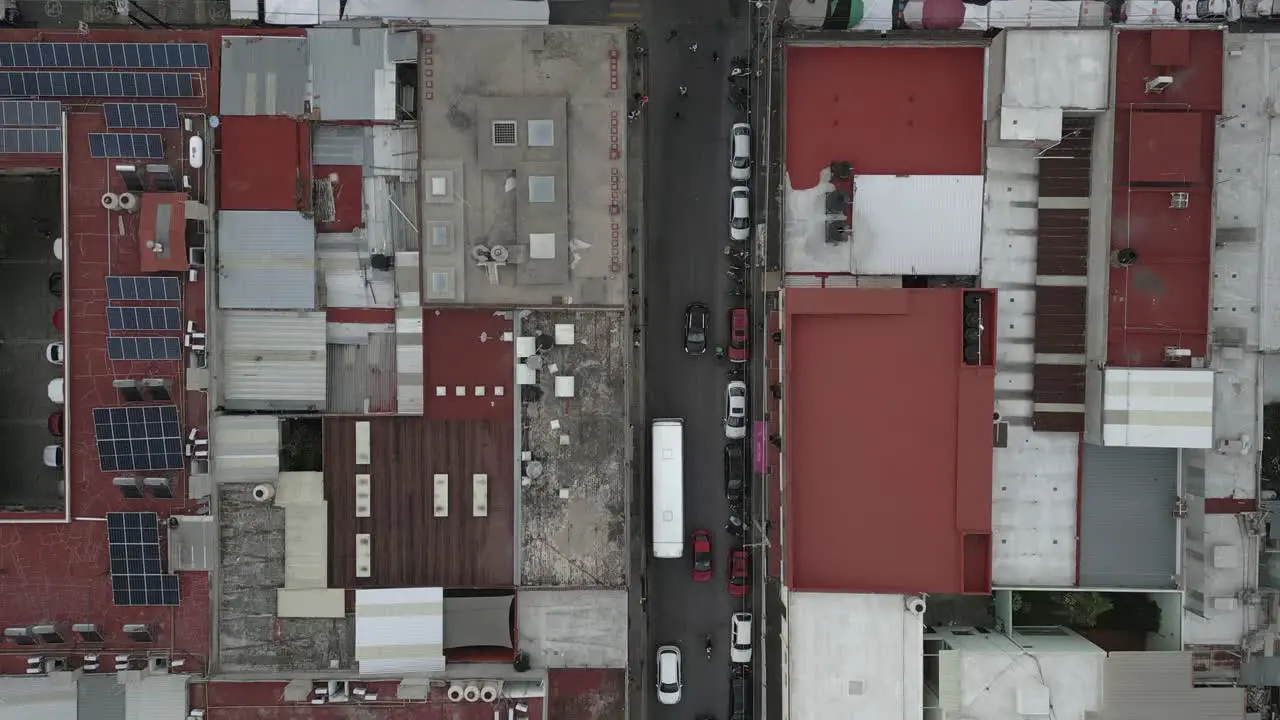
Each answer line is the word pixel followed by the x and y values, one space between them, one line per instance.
pixel 1164 144
pixel 887 110
pixel 264 164
pixel 887 444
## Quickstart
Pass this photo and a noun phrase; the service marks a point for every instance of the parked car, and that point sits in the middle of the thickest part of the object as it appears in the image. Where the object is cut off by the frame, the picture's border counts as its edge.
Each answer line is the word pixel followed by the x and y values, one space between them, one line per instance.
pixel 58 323
pixel 740 694
pixel 701 556
pixel 740 638
pixel 55 423
pixel 735 471
pixel 53 352
pixel 53 456
pixel 739 572
pixel 740 152
pixel 740 213
pixel 735 410
pixel 669 681
pixel 55 283
pixel 739 334
pixel 56 391
pixel 696 318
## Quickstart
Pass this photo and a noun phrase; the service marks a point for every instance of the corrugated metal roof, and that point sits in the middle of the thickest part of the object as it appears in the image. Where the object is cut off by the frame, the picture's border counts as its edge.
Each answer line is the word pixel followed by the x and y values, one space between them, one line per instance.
pixel 391 214
pixel 1127 529
pixel 246 448
pixel 400 630
pixel 362 377
pixel 349 282
pixel 266 260
pixel 392 150
pixel 100 697
pixel 338 145
pixel 273 360
pixel 352 79
pixel 410 399
pixel 263 76
pixel 1143 685
pixel 49 697
pixel 156 697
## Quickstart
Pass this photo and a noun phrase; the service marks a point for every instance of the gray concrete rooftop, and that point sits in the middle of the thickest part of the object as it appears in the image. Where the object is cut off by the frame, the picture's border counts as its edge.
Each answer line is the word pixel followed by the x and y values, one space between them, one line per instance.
pixel 516 133
pixel 251 567
pixel 574 628
pixel 572 517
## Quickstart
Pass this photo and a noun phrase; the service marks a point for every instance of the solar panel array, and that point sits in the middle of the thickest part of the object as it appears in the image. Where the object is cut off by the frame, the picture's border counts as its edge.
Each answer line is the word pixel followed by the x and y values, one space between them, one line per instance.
pixel 141 115
pixel 31 113
pixel 126 145
pixel 143 318
pixel 144 348
pixel 30 140
pixel 142 287
pixel 138 438
pixel 97 84
pixel 137 574
pixel 104 55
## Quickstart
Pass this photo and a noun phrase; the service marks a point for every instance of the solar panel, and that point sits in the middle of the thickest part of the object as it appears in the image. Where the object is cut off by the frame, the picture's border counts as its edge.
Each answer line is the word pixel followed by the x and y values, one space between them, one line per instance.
pixel 141 115
pixel 143 318
pixel 144 348
pixel 97 84
pixel 104 55
pixel 142 287
pixel 31 113
pixel 126 145
pixel 30 140
pixel 138 438
pixel 137 573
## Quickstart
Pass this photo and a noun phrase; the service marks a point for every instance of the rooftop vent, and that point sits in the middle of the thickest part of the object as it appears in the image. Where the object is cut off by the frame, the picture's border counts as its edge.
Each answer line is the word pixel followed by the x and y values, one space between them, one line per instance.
pixel 504 133
pixel 1179 200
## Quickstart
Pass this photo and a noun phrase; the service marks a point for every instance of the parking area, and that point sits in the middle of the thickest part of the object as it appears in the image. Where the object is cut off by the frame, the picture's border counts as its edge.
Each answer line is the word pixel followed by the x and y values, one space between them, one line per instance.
pixel 29 222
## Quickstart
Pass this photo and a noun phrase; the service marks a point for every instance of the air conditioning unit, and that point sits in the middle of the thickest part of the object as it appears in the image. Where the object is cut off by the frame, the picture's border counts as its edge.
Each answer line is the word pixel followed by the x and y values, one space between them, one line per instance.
pixel 1158 83
pixel 471 693
pixel 490 691
pixel 455 692
pixel 1179 200
pixel 915 605
pixel 111 201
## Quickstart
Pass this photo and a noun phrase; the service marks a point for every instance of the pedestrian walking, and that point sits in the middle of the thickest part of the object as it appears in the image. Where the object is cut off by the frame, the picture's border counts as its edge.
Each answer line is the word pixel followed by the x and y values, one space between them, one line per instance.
pixel 684 89
pixel 672 35
pixel 693 47
pixel 676 116
pixel 715 57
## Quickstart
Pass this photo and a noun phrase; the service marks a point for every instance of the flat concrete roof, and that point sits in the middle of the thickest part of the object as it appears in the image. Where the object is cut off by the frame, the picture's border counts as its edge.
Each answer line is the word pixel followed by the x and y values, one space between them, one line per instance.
pixel 573 628
pixel 887 443
pixel 499 115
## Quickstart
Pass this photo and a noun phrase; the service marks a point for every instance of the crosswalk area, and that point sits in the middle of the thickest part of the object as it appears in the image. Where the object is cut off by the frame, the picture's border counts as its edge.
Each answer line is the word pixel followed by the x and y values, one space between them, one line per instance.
pixel 624 12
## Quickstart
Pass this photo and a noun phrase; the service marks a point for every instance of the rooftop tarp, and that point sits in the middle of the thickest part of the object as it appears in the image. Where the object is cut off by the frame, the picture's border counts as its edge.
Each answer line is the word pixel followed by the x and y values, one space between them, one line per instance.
pixel 477 622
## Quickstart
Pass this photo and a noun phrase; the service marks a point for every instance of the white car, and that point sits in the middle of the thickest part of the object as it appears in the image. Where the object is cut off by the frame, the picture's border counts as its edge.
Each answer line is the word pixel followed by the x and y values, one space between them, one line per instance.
pixel 54 353
pixel 669 682
pixel 735 410
pixel 740 213
pixel 740 152
pixel 53 456
pixel 740 638
pixel 56 393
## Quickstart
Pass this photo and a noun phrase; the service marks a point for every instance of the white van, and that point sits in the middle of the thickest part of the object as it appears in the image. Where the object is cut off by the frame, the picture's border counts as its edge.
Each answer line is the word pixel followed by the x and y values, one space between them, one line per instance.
pixel 740 213
pixel 740 638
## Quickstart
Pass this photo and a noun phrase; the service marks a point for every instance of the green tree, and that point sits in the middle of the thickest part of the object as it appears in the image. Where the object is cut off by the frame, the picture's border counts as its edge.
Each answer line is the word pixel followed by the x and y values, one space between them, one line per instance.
pixel 1080 609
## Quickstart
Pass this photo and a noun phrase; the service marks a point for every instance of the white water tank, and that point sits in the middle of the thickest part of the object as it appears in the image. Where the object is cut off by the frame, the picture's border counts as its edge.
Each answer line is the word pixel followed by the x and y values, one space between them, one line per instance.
pixel 128 202
pixel 454 693
pixel 489 692
pixel 915 605
pixel 111 201
pixel 264 492
pixel 471 693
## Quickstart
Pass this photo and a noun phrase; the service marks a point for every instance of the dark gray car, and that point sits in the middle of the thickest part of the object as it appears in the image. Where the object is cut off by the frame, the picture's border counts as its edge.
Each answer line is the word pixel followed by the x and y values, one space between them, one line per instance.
pixel 696 317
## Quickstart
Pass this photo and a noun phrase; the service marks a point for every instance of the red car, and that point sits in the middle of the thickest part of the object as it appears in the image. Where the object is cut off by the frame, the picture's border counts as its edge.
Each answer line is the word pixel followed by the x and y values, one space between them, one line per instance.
pixel 739 334
pixel 701 556
pixel 739 572
pixel 55 424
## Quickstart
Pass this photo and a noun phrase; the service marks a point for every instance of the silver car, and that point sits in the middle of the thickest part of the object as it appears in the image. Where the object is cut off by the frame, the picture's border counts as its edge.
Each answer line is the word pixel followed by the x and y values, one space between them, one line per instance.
pixel 670 682
pixel 735 410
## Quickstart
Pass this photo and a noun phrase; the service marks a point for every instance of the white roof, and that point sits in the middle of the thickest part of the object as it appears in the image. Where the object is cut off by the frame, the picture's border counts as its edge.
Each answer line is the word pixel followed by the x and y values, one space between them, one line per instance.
pixel 49 697
pixel 1034 479
pixel 400 631
pixel 1068 70
pixel 902 225
pixel 1158 407
pixel 854 655
pixel 993 677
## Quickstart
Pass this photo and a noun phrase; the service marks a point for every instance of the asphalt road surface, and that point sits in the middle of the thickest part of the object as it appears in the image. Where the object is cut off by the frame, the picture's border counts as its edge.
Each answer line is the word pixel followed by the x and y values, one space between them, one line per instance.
pixel 687 209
